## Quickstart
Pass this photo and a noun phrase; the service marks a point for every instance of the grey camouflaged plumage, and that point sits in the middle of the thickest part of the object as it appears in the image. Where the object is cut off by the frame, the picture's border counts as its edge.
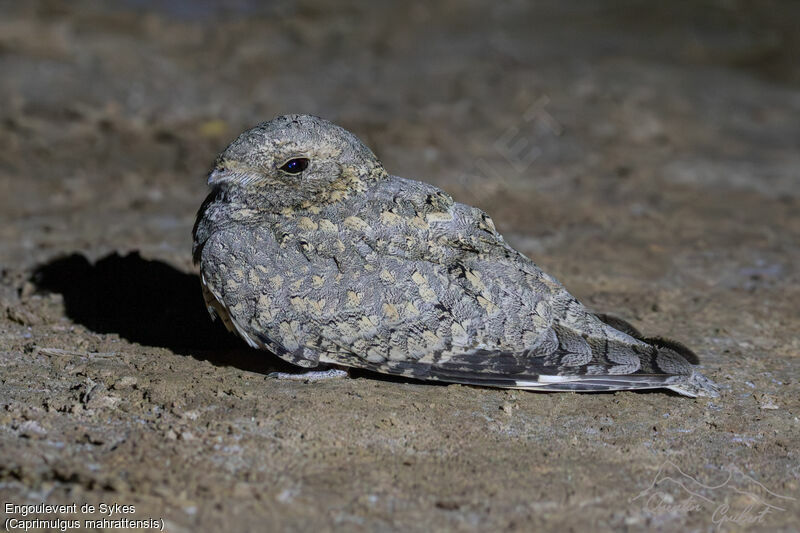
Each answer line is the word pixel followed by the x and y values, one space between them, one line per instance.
pixel 343 263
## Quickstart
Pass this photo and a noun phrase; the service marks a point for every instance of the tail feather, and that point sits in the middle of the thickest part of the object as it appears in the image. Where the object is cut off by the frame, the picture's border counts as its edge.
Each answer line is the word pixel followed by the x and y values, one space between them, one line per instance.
pixel 659 342
pixel 675 346
pixel 620 324
pixel 693 385
pixel 568 361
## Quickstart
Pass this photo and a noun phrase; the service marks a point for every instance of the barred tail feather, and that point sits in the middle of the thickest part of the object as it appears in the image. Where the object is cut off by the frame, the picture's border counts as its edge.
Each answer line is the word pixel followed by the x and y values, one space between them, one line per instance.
pixel 693 386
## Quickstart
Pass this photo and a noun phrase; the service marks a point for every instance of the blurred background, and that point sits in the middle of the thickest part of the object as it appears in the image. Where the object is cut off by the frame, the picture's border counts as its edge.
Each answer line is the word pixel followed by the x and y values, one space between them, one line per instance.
pixel 647 154
pixel 113 111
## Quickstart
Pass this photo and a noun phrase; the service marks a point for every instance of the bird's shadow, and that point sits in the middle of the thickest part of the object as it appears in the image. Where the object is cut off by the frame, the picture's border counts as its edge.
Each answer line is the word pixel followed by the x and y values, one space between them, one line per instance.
pixel 150 303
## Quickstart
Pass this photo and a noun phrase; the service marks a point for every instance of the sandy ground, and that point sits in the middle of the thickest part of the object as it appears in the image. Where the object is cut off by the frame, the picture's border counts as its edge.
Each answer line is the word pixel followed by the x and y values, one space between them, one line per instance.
pixel 648 157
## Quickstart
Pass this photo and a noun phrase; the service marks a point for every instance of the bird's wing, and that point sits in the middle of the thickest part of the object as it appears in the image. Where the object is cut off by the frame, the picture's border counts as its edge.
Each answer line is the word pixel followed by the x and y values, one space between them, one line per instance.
pixel 575 351
pixel 562 361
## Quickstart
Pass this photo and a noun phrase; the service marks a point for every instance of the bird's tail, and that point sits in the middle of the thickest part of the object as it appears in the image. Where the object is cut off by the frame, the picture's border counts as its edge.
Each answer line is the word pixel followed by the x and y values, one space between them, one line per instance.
pixel 696 385
pixel 693 385
pixel 664 364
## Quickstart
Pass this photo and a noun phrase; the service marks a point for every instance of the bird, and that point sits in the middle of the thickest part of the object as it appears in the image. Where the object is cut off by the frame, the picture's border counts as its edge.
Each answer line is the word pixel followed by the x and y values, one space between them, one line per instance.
pixel 308 248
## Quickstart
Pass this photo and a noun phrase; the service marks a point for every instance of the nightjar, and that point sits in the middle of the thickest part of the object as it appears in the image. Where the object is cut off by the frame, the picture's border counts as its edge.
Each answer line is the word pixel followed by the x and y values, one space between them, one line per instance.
pixel 308 248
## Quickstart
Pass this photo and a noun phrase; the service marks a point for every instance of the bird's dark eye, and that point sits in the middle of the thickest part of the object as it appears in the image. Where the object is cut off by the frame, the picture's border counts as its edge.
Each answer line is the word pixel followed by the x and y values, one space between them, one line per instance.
pixel 295 166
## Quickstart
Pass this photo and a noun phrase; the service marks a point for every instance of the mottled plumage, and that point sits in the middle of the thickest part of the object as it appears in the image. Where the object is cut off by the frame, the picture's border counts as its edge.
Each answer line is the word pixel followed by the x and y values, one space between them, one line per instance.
pixel 343 263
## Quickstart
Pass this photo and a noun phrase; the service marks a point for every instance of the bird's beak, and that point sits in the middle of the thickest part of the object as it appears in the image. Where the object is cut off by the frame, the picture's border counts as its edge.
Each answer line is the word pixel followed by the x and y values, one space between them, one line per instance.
pixel 218 175
pixel 238 174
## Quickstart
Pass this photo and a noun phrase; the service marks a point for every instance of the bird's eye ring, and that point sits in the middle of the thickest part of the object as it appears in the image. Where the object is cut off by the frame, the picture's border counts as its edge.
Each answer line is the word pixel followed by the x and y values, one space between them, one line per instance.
pixel 295 166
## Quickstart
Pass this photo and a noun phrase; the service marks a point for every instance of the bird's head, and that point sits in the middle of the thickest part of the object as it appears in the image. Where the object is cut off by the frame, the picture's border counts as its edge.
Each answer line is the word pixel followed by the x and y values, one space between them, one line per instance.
pixel 295 161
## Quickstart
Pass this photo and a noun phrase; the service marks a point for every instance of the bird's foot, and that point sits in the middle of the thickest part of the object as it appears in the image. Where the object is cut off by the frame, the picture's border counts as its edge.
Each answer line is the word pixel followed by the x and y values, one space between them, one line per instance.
pixel 313 375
